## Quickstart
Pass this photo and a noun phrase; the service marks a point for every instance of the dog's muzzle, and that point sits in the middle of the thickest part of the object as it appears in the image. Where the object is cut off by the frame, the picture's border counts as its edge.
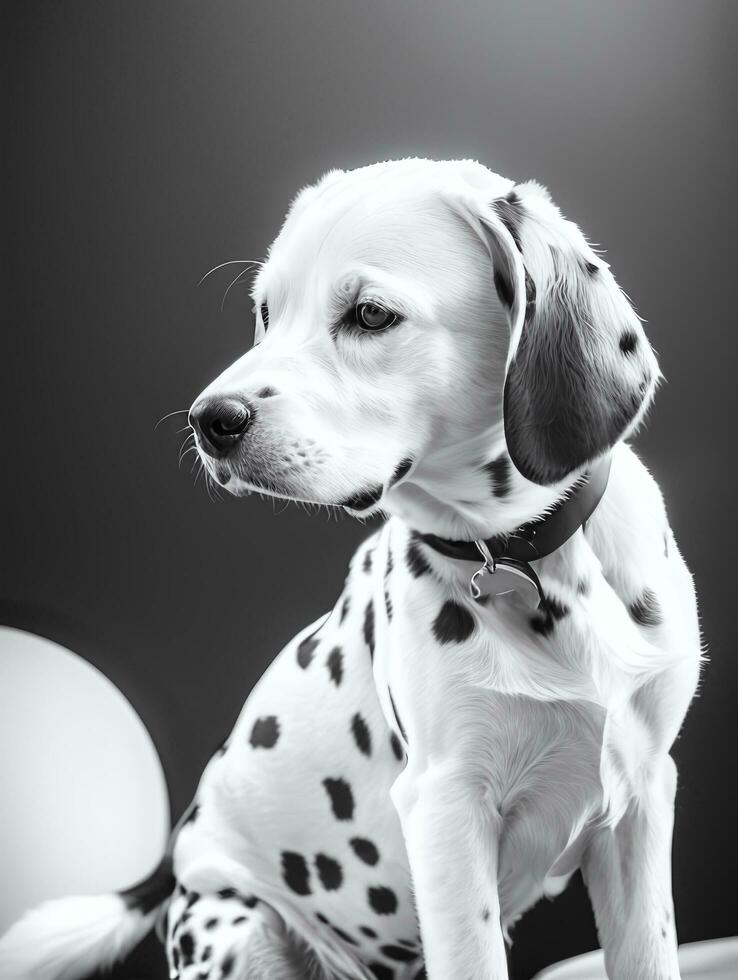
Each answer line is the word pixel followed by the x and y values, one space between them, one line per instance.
pixel 220 424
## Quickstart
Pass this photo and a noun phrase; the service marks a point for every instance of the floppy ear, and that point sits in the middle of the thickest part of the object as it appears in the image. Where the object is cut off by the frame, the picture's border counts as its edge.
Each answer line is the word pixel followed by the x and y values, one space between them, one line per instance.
pixel 580 371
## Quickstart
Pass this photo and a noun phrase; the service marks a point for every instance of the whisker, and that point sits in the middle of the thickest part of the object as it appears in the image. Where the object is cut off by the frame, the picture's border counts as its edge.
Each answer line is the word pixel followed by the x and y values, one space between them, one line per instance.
pixel 181 411
pixel 211 487
pixel 192 449
pixel 243 272
pixel 230 262
pixel 184 443
pixel 217 489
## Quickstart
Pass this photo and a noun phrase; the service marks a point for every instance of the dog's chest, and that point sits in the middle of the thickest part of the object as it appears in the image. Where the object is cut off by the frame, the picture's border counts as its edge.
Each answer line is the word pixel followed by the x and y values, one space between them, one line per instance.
pixel 500 689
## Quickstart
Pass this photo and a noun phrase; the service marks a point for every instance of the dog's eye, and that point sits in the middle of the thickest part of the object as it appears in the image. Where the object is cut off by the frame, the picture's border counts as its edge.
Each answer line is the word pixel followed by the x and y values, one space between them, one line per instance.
pixel 369 316
pixel 265 315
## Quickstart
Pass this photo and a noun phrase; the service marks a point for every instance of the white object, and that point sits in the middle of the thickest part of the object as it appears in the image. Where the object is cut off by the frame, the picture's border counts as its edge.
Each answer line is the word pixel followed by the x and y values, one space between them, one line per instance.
pixel 84 806
pixel 716 959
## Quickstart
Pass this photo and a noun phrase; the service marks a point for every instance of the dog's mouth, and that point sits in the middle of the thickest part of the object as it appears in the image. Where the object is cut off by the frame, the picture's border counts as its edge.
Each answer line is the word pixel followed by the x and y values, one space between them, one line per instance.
pixel 364 500
pixel 359 504
pixel 362 503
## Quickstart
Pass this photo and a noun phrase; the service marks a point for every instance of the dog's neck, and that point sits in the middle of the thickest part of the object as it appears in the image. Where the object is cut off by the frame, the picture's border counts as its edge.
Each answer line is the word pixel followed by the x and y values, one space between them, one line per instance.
pixel 471 490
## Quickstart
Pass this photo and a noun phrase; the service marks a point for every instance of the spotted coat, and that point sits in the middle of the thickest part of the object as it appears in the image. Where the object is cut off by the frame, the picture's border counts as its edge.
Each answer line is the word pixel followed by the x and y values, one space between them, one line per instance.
pixel 295 809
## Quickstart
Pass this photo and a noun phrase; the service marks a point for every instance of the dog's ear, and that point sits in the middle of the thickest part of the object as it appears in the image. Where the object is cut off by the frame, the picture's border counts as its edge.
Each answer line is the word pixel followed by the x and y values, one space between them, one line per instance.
pixel 580 371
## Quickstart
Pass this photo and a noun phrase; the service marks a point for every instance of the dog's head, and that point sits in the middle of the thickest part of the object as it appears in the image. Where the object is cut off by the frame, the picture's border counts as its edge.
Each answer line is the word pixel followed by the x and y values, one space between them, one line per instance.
pixel 419 325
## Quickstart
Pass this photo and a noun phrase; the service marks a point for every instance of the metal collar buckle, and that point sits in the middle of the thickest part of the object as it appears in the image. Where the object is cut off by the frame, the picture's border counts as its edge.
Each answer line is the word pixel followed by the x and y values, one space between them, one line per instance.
pixel 502 576
pixel 488 568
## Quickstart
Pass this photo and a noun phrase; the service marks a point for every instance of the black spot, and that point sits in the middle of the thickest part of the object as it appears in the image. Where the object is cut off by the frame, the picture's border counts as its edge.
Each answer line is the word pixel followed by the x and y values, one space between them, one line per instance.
pixel 344 935
pixel 363 501
pixel 584 586
pixel 646 609
pixel 329 872
pixel 306 651
pixel 504 288
pixel 398 954
pixel 295 872
pixel 383 900
pixel 227 893
pixel 322 918
pixel 365 850
pixel 453 624
pixel 397 716
pixel 549 613
pixel 212 923
pixel 390 563
pixel 510 212
pixel 485 914
pixel 187 948
pixel 382 972
pixel 267 392
pixel 345 608
pixel 500 473
pixel 362 735
pixel 369 626
pixel 265 732
pixel 369 933
pixel 152 891
pixel 628 341
pixel 530 298
pixel 591 268
pixel 663 933
pixel 401 470
pixel 250 901
pixel 334 663
pixel 367 565
pixel 634 398
pixel 415 559
pixel 239 920
pixel 192 899
pixel 388 605
pixel 206 953
pixel 341 797
pixel 227 964
pixel 397 749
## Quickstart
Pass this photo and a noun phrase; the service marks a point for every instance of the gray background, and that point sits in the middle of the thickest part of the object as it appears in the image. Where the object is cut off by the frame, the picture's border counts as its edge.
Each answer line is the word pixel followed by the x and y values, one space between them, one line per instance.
pixel 150 141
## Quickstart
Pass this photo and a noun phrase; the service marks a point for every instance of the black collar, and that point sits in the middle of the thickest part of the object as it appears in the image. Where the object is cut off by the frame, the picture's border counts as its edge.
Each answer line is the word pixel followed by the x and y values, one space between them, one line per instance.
pixel 537 538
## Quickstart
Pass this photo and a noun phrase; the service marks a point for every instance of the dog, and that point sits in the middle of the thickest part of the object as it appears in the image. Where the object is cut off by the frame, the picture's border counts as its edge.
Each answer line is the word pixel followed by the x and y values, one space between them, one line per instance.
pixel 490 704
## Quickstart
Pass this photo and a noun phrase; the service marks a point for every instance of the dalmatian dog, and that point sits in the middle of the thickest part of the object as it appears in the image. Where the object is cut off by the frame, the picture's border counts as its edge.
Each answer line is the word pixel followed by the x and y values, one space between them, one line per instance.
pixel 491 702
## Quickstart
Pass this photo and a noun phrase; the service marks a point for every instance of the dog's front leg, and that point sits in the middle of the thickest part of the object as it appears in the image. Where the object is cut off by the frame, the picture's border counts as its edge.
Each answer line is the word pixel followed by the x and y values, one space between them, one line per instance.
pixel 451 837
pixel 627 870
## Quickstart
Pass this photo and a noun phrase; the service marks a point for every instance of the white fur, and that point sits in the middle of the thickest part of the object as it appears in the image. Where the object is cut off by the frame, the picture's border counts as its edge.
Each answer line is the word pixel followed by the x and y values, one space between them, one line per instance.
pixel 70 938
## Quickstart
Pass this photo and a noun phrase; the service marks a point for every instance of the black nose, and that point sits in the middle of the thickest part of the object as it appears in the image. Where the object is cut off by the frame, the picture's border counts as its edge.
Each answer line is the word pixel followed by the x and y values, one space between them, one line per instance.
pixel 220 423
